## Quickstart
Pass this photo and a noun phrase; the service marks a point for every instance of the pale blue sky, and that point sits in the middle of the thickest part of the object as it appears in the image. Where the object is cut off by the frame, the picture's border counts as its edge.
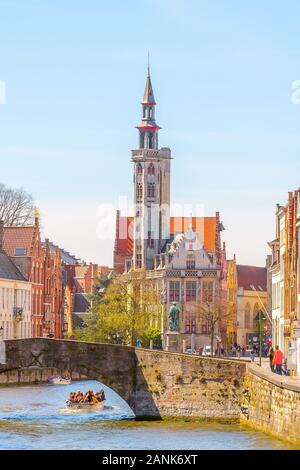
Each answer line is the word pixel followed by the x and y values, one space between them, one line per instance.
pixel 222 73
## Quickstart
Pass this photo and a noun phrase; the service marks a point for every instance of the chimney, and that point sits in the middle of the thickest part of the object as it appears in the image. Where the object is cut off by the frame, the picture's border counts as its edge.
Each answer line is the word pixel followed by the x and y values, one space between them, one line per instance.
pixel 1 234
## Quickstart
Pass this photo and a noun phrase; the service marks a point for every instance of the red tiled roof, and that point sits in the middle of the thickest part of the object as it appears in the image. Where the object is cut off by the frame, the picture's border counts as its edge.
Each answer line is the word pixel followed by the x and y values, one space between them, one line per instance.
pixel 124 241
pixel 204 226
pixel 18 237
pixel 252 275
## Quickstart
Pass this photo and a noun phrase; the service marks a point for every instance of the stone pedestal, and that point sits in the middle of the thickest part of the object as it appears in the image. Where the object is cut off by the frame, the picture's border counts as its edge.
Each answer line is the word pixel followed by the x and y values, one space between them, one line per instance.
pixel 172 341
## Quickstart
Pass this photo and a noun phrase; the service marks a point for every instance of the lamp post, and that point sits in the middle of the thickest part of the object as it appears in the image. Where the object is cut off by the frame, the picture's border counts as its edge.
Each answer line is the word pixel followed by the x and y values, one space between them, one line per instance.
pixel 260 317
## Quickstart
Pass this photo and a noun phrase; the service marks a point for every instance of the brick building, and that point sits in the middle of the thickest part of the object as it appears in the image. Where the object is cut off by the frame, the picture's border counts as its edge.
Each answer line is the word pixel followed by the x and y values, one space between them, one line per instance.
pixel 23 246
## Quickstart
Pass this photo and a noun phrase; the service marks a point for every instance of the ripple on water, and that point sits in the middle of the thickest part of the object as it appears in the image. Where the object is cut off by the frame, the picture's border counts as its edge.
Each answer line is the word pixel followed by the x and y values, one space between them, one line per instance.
pixel 36 417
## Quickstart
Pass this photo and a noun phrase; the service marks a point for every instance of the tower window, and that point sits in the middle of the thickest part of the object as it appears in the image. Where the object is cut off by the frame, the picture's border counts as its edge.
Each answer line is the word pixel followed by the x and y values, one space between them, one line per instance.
pixel 151 191
pixel 150 241
pixel 151 140
pixel 138 260
pixel 139 192
pixel 139 169
pixel 151 169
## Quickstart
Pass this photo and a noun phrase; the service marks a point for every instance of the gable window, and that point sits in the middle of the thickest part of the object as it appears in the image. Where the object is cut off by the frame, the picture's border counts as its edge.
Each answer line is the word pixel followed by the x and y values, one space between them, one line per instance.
pixel 20 252
pixel 190 262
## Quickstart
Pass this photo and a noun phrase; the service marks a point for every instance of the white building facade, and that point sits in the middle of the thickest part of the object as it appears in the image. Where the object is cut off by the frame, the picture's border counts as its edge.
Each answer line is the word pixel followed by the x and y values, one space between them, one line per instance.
pixel 15 298
pixel 15 309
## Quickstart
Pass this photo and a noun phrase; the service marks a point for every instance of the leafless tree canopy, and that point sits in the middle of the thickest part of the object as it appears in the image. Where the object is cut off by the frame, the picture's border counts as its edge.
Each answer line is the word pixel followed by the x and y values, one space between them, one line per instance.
pixel 16 206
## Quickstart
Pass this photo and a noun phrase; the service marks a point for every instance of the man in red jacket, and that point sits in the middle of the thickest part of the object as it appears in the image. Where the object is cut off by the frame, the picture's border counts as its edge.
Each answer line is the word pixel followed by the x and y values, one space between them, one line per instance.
pixel 278 360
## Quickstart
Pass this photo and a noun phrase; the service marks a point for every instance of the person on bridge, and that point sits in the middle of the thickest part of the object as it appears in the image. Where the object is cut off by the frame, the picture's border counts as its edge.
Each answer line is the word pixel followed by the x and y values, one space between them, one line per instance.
pixel 271 354
pixel 278 360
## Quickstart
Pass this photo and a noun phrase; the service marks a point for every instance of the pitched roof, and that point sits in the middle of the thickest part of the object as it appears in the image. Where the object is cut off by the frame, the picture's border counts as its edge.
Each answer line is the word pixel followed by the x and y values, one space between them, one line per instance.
pixel 81 304
pixel 252 275
pixel 204 226
pixel 66 257
pixel 124 237
pixel 8 270
pixel 19 237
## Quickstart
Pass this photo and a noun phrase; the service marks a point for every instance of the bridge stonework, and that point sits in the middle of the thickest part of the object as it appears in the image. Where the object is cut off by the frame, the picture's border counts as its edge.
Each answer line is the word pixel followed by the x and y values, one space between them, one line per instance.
pixel 155 384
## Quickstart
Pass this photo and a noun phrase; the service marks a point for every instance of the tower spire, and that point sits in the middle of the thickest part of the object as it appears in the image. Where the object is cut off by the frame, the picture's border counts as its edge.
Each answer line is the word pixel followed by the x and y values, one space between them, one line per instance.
pixel 148 128
pixel 151 187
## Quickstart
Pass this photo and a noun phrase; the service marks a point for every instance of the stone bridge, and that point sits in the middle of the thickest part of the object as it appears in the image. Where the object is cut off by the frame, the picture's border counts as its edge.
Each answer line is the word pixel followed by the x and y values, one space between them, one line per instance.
pixel 155 384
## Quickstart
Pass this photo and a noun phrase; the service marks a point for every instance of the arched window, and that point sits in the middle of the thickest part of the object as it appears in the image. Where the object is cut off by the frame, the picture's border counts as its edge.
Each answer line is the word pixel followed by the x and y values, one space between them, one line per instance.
pixel 151 141
pixel 151 169
pixel 139 169
pixel 142 140
pixel 139 191
pixel 247 315
pixel 151 191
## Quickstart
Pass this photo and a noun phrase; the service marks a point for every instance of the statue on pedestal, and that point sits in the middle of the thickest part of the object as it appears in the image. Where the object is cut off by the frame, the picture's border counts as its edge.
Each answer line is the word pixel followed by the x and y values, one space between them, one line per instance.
pixel 174 317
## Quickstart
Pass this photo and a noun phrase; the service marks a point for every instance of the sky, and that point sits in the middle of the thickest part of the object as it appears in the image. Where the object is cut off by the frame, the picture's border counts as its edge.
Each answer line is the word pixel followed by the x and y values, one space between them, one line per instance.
pixel 223 74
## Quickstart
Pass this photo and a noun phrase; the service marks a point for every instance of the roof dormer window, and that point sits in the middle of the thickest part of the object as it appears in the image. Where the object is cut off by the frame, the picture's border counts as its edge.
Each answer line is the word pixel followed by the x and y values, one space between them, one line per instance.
pixel 20 252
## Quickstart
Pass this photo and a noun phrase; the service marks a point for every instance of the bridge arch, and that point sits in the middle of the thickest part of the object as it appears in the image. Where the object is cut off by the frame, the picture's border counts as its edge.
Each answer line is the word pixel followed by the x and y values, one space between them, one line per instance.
pixel 153 383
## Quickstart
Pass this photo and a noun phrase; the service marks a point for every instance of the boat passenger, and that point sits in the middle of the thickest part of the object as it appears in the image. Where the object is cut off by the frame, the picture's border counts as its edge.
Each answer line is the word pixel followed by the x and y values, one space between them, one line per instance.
pixel 100 396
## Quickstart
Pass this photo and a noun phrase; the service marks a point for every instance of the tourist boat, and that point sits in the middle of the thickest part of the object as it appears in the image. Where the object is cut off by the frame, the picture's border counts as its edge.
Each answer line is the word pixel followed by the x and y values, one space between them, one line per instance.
pixel 58 380
pixel 86 406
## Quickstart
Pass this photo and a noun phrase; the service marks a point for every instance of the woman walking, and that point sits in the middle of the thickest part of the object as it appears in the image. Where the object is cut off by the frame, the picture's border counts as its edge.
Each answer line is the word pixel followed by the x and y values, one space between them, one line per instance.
pixel 271 357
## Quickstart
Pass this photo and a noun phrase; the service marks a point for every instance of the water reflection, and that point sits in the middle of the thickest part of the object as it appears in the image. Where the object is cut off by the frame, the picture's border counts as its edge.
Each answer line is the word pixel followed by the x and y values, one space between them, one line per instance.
pixel 36 417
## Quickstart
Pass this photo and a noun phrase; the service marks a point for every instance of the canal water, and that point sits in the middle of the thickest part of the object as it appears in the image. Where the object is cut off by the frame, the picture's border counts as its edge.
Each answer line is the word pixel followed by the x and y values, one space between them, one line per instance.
pixel 35 417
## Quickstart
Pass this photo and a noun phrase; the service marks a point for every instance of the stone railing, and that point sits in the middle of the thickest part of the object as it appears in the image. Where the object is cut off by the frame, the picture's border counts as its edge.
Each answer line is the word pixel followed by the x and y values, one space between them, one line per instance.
pixel 271 403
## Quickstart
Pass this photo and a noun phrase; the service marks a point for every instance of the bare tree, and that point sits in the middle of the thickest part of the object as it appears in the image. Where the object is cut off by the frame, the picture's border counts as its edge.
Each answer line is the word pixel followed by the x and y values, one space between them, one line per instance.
pixel 16 206
pixel 213 311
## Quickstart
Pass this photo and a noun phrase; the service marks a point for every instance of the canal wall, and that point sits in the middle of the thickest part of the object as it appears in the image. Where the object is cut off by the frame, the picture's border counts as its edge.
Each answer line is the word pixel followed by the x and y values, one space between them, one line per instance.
pixel 187 386
pixel 271 403
pixel 27 376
